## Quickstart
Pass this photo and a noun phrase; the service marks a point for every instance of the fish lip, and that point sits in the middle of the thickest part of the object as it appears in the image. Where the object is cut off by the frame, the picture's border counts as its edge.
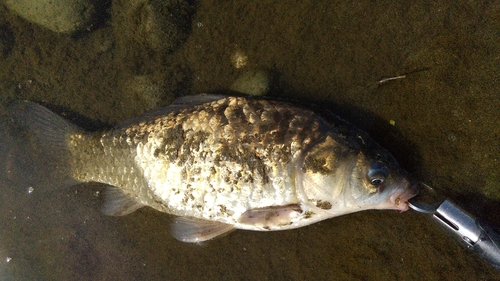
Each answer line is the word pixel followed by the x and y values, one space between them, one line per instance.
pixel 403 192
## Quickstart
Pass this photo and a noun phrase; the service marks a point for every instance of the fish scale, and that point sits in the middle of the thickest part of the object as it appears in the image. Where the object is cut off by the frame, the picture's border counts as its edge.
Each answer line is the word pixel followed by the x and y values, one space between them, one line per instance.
pixel 234 166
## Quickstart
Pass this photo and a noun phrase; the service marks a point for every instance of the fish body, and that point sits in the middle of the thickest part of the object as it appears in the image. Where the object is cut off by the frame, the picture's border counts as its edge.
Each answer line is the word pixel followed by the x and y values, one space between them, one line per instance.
pixel 221 163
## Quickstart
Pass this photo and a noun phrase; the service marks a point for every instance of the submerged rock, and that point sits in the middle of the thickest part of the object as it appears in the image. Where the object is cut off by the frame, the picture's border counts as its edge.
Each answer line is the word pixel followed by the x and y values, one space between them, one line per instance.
pixel 56 15
pixel 153 25
pixel 146 89
pixel 256 82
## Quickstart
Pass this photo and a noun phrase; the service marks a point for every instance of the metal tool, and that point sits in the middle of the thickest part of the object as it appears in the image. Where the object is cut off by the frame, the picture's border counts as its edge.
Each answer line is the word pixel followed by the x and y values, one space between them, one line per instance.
pixel 474 233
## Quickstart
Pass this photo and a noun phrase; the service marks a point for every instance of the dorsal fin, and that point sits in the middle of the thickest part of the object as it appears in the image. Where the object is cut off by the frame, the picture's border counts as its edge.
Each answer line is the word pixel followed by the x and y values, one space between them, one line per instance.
pixel 188 101
pixel 177 105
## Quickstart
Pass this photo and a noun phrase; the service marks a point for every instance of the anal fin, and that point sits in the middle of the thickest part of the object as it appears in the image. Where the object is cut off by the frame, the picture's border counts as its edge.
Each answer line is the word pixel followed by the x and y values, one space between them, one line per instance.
pixel 118 203
pixel 193 230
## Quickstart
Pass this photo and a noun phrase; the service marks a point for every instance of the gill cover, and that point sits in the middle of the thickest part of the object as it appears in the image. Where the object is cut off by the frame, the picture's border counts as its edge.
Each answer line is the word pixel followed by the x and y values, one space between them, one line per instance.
pixel 324 172
pixel 370 182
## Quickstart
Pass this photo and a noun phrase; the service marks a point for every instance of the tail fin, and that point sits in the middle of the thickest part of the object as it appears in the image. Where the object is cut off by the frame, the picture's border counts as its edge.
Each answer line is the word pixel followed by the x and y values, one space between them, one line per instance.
pixel 34 148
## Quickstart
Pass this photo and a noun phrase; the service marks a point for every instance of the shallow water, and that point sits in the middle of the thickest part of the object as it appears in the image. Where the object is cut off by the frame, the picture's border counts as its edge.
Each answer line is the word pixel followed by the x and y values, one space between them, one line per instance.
pixel 446 133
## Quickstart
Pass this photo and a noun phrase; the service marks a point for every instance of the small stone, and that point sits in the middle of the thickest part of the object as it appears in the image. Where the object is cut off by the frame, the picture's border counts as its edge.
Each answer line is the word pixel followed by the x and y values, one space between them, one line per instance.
pixel 152 25
pixel 255 82
pixel 239 59
pixel 57 15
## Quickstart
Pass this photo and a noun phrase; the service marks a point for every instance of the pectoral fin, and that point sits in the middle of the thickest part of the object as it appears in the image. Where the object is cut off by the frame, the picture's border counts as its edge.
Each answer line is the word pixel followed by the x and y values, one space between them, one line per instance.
pixel 193 230
pixel 271 217
pixel 118 203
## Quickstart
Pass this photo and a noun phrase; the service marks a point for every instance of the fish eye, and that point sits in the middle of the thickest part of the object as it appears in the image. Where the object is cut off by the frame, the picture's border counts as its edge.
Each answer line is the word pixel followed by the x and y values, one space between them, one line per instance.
pixel 377 174
pixel 377 181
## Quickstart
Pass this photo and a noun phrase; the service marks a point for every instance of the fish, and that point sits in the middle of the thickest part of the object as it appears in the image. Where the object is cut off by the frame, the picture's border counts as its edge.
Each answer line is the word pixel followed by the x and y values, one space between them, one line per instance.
pixel 218 163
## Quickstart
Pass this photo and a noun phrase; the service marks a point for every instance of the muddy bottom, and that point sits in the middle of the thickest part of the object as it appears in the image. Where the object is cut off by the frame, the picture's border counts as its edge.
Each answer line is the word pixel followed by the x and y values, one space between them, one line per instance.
pixel 440 120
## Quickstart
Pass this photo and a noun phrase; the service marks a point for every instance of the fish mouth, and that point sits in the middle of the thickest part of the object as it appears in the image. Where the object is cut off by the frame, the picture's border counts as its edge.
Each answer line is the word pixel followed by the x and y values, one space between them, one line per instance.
pixel 403 192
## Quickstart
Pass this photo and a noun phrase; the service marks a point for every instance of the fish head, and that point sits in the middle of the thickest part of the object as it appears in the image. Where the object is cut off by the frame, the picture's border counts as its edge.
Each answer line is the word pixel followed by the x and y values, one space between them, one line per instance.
pixel 340 178
pixel 377 182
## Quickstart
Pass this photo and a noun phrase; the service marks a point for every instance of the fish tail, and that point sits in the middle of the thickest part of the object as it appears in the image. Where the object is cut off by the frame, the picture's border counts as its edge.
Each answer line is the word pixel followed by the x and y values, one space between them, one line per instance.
pixel 34 148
